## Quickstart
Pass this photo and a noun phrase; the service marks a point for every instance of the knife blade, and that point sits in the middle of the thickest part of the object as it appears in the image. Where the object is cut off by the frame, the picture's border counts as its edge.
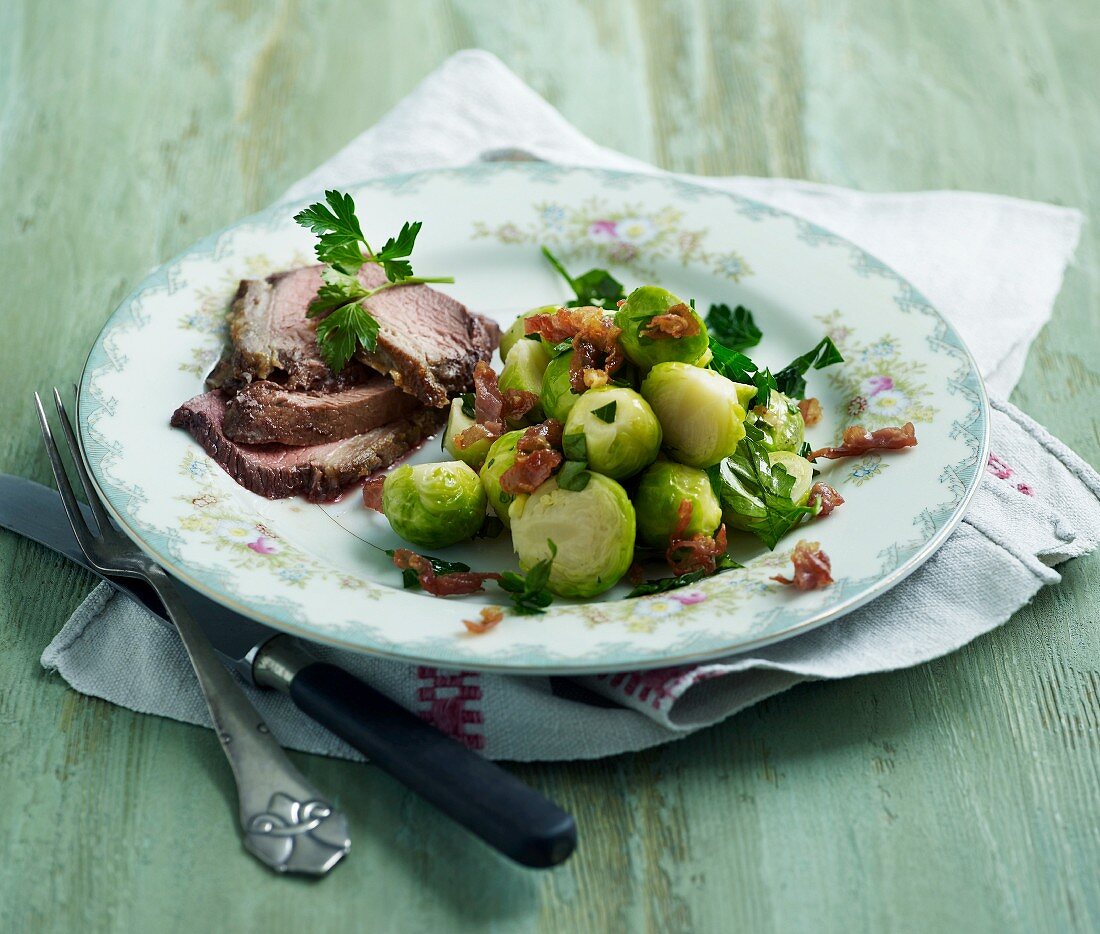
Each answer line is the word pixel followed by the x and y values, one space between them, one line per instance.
pixel 35 512
pixel 480 795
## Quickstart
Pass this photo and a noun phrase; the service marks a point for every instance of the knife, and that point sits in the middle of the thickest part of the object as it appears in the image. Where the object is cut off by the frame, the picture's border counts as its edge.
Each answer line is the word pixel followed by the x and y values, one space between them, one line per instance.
pixel 483 797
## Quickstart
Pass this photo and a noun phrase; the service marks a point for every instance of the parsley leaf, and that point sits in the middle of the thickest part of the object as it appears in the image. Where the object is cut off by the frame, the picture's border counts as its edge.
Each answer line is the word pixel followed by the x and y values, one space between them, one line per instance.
pixel 575 447
pixel 468 408
pixel 342 247
pixel 790 380
pixel 733 329
pixel 665 584
pixel 734 365
pixel 342 331
pixel 393 255
pixel 338 229
pixel 528 591
pixel 595 287
pixel 748 484
pixel 606 413
pixel 573 476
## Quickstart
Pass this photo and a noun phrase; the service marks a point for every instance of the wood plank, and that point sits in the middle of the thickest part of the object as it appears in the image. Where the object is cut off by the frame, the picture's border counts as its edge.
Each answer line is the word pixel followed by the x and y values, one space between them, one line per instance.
pixel 959 795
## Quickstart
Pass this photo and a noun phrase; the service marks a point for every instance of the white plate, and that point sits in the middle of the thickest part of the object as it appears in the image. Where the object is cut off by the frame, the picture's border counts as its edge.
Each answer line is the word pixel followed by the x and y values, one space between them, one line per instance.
pixel 306 569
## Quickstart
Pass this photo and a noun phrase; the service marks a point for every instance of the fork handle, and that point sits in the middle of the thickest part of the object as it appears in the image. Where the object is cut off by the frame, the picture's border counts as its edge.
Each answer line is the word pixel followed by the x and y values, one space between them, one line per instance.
pixel 288 824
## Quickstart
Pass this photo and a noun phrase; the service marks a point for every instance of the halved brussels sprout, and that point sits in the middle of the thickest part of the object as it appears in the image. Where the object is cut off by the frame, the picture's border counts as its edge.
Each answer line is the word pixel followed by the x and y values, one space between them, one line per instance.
pixel 593 530
pixel 661 490
pixel 434 505
pixel 621 433
pixel 526 364
pixel 557 396
pixel 458 422
pixel 781 422
pixel 634 318
pixel 517 332
pixel 743 510
pixel 701 412
pixel 501 456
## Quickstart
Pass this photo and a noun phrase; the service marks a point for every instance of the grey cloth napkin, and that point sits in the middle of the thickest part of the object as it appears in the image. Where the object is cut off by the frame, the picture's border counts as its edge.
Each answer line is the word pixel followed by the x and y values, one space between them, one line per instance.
pixel 993 265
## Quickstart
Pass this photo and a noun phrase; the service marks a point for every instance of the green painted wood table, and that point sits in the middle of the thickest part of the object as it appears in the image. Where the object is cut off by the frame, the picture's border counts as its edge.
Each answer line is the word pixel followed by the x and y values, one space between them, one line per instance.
pixel 960 795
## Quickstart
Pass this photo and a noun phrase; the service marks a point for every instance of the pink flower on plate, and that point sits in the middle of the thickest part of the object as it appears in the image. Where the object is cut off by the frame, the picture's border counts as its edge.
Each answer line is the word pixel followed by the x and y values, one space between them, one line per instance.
pixel 263 546
pixel 876 384
pixel 602 231
pixel 689 598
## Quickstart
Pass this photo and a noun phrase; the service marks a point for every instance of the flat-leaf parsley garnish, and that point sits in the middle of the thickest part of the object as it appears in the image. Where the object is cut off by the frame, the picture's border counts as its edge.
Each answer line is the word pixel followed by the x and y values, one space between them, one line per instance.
pixel 595 287
pixel 734 329
pixel 345 324
pixel 528 591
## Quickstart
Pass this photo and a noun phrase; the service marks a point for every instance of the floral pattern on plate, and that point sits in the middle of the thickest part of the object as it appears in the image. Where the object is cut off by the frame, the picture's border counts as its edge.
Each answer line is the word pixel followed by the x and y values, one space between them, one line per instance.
pixel 630 236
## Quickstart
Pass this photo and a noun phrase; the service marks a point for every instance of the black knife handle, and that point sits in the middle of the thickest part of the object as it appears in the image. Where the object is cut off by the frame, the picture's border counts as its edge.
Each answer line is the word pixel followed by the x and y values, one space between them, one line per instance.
pixel 481 796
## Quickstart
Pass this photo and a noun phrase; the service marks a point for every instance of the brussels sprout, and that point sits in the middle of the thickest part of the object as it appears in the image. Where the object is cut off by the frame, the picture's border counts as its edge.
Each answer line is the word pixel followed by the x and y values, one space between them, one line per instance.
pixel 743 508
pixel 557 396
pixel 517 331
pixel 593 530
pixel 701 412
pixel 634 317
pixel 434 505
pixel 458 422
pixel 621 433
pixel 501 456
pixel 526 364
pixel 781 422
pixel 661 490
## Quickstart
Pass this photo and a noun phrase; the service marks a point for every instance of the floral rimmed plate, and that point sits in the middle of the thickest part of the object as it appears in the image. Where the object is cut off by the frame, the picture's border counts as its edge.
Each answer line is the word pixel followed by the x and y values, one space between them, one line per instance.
pixel 309 570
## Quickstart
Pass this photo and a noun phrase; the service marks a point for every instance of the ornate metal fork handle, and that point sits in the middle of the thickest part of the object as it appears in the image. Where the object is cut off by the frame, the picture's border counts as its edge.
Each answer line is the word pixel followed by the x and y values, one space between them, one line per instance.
pixel 287 823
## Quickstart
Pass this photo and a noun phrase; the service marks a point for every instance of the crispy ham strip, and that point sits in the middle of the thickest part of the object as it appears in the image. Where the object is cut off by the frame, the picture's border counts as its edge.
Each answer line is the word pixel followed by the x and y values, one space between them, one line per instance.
pixel 372 492
pixel 538 455
pixel 811 411
pixel 441 585
pixel 677 322
pixel 490 616
pixel 828 497
pixel 858 440
pixel 596 348
pixel 699 552
pixel 493 408
pixel 812 568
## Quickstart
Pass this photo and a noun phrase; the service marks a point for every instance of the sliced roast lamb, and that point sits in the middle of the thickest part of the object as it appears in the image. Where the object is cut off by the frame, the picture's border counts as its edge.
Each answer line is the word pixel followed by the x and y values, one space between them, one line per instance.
pixel 319 471
pixel 266 413
pixel 428 343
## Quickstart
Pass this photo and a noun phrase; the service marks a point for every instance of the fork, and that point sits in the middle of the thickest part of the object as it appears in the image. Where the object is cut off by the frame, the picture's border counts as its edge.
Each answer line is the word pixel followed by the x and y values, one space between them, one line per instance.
pixel 287 823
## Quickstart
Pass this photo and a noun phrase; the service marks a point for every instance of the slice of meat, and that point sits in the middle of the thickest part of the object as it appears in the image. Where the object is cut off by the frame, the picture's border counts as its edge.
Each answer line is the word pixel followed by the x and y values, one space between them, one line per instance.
pixel 270 334
pixel 265 413
pixel 428 343
pixel 318 472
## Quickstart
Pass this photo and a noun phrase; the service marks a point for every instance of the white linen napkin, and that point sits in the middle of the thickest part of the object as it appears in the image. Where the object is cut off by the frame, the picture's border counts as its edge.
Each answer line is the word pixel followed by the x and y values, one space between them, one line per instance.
pixel 993 265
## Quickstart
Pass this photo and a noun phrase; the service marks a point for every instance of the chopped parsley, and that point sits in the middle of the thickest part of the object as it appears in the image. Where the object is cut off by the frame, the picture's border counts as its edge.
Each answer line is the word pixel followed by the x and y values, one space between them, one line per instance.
pixel 573 476
pixel 664 584
pixel 528 591
pixel 734 329
pixel 749 484
pixel 606 413
pixel 595 287
pixel 791 379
